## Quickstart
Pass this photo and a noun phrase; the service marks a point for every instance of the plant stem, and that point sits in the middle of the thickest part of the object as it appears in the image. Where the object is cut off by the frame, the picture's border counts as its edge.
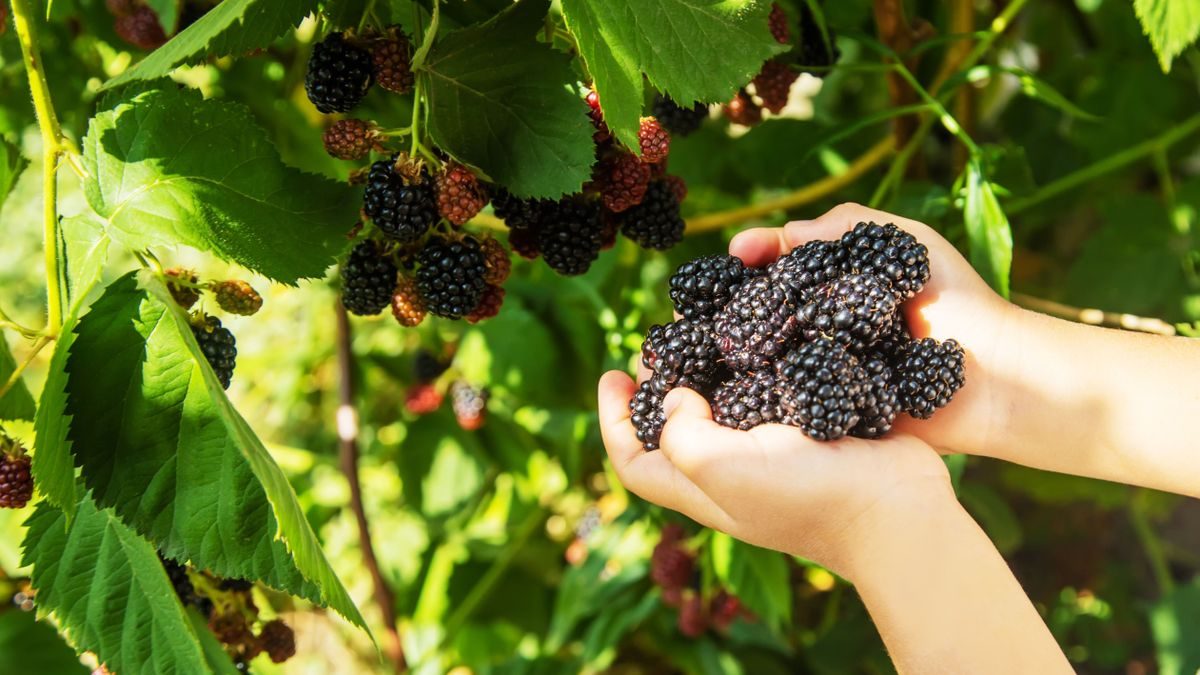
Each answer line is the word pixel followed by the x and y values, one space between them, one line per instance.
pixel 16 373
pixel 1150 542
pixel 347 428
pixel 1094 317
pixel 52 149
pixel 418 58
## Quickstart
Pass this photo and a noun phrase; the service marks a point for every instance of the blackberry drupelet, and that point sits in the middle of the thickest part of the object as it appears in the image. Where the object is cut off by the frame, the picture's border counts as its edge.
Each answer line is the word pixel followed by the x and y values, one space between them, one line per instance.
pixel 338 76
pixel 16 480
pixel 856 310
pixel 748 400
pixel 655 223
pixel 821 386
pixel 570 234
pixel 450 276
pixel 880 400
pixel 654 140
pixel 809 266
pixel 888 252
pixel 701 287
pixel 927 374
pixel 217 344
pixel 647 412
pixel 402 206
pixel 278 641
pixel 683 353
pixel 756 325
pixel 368 280
pixel 678 120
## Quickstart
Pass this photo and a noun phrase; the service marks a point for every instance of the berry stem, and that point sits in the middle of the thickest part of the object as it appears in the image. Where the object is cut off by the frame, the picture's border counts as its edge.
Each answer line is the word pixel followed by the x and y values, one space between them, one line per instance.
pixel 53 147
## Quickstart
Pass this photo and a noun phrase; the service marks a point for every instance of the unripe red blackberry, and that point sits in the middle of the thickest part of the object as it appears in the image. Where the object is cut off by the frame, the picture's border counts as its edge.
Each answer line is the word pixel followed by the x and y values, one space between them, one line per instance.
pixel 407 305
pixel 701 287
pixel 693 617
pixel 237 297
pixel 278 641
pixel 422 399
pixel 524 242
pixel 391 61
pixel 182 285
pixel 646 412
pixel 470 405
pixel 118 7
pixel 773 84
pixel 755 327
pixel 623 181
pixel 232 629
pixel 570 234
pixel 676 119
pixel 496 260
pixel 217 344
pixel 821 386
pixel 678 187
pixel 927 374
pixel 671 565
pixel 459 194
pixel 723 609
pixel 368 279
pixel 350 139
pixel 742 110
pixel 602 133
pixel 450 276
pixel 400 198
pixel 778 23
pixel 338 75
pixel 654 140
pixel 16 480
pixel 141 28
pixel 489 305
pixel 655 223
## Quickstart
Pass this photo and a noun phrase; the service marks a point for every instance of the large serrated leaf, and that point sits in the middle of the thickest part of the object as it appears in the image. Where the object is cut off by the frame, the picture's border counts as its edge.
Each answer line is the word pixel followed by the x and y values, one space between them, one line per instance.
pixel 988 231
pixel 499 101
pixel 1171 25
pixel 757 576
pixel 36 646
pixel 11 165
pixel 232 27
pixel 169 168
pixel 16 403
pixel 110 594
pixel 159 442
pixel 694 50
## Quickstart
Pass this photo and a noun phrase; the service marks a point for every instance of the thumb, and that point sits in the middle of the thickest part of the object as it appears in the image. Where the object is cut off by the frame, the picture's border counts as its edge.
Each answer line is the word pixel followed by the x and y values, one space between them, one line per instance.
pixel 691 439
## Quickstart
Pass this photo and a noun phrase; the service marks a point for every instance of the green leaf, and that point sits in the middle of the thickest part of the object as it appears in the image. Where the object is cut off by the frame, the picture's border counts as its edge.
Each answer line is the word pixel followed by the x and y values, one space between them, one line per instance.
pixel 160 443
pixel 232 27
pixel 604 634
pixel 109 592
pixel 498 100
pixel 694 50
pixel 1173 621
pixel 988 230
pixel 11 166
pixel 16 403
pixel 1031 86
pixel 168 13
pixel 86 246
pixel 757 576
pixel 1171 25
pixel 170 168
pixel 36 646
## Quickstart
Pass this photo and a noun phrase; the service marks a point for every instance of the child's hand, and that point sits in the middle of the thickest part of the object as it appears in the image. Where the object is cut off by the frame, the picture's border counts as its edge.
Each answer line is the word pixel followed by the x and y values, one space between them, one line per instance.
pixel 773 486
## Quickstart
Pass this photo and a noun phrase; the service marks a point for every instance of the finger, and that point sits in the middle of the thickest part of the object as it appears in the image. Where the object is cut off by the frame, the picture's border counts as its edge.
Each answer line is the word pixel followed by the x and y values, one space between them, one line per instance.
pixel 759 246
pixel 695 443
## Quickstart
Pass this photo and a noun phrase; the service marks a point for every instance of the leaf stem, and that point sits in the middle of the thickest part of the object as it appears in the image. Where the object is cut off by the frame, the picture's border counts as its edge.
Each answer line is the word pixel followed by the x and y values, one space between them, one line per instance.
pixel 7 322
pixel 418 58
pixel 16 373
pixel 53 146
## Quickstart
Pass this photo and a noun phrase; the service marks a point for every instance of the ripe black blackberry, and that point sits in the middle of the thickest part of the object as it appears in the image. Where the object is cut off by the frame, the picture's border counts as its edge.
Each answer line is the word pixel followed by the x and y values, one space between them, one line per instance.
pixel 891 253
pixel 368 279
pixel 277 640
pixel 821 386
pixel 756 325
pixel 701 287
pixel 809 266
pixel 880 400
pixel 647 412
pixel 451 275
pixel 748 400
pixel 217 344
pixel 813 51
pixel 678 120
pixel 427 367
pixel 16 480
pixel 655 223
pixel 927 374
pixel 569 234
pixel 400 199
pixel 856 310
pixel 338 76
pixel 683 353
pixel 516 212
pixel 184 589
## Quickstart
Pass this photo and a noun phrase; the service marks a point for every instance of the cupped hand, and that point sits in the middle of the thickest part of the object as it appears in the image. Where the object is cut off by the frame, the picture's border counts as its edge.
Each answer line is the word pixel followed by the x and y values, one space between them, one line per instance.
pixel 773 486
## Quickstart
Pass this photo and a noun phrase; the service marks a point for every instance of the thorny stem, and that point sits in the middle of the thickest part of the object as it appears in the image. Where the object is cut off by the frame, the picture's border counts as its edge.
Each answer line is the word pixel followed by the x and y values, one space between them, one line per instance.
pixel 53 147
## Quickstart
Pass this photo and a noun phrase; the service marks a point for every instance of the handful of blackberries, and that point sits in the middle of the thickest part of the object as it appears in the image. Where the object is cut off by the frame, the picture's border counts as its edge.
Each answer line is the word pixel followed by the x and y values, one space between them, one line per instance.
pixel 814 340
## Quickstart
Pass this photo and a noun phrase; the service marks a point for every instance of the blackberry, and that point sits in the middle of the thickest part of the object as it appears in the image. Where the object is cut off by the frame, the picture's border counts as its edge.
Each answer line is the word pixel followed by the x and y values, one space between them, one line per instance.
pixel 890 343
pixel 459 194
pixel 422 399
pixel 16 480
pixel 237 297
pixel 489 304
pixel 856 310
pixel 217 344
pixel 821 386
pixel 450 276
pixel 654 140
pixel 232 628
pixel 880 400
pixel 338 76
pixel 756 325
pixel 427 367
pixel 182 285
pixel 655 223
pixel 671 565
pixel 928 373
pixel 703 286
pixel 742 110
pixel 517 213
pixel 723 608
pixel 470 405
pixel 813 51
pixel 693 617
pixel 496 259
pixel 278 641
pixel 570 234
pixel 748 400
pixel 391 61
pixel 678 120
pixel 408 307
pixel 889 252
pixel 368 279
pixel 350 139
pixel 773 84
pixel 646 412
pixel 778 23
pixel 400 199
pixel 809 266
pixel 236 585
pixel 683 353
pixel 623 181
pixel 141 28
pixel 524 242
pixel 602 133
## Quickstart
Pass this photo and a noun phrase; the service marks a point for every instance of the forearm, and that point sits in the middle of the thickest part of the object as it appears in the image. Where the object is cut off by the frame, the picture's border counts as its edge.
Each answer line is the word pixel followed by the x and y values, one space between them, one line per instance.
pixel 945 601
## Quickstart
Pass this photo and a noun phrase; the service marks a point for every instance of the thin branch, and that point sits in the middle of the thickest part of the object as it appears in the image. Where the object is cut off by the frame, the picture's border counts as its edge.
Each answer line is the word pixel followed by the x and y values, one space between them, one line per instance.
pixel 1094 317
pixel 16 373
pixel 347 428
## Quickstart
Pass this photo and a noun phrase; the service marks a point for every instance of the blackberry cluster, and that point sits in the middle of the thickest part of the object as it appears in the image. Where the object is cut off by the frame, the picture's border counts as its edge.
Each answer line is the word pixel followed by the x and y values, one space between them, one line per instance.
pixel 339 74
pixel 569 235
pixel 815 340
pixel 184 589
pixel 217 344
pixel 16 481
pixel 678 120
pixel 400 199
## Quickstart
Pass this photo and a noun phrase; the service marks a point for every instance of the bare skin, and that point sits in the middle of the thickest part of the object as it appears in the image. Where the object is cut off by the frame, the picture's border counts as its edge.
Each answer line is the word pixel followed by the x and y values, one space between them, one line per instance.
pixel 1040 392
